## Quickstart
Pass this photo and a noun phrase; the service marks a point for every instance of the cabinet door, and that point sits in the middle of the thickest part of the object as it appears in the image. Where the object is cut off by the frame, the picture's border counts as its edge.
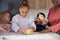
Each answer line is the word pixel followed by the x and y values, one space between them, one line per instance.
pixel 40 4
pixel 48 4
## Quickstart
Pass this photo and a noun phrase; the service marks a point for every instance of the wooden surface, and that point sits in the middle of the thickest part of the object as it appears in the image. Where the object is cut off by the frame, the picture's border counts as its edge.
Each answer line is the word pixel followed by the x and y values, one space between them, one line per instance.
pixel 40 4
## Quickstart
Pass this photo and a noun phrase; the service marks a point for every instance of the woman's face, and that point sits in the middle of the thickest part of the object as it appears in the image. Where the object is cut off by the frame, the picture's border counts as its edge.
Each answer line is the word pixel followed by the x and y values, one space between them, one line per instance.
pixel 23 11
pixel 7 17
pixel 56 2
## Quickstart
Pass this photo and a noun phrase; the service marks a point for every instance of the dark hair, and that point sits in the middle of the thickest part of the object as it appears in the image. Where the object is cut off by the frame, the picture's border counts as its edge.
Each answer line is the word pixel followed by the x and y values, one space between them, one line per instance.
pixel 24 4
pixel 26 1
pixel 2 14
pixel 5 12
pixel 41 14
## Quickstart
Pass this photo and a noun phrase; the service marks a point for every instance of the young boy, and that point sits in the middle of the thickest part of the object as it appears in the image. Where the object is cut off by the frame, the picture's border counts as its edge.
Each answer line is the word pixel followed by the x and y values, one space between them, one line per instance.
pixel 40 22
pixel 4 21
pixel 22 22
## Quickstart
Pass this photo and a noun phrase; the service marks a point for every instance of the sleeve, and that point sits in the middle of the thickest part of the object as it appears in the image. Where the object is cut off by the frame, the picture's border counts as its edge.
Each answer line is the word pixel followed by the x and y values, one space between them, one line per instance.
pixel 15 26
pixel 55 28
pixel 32 24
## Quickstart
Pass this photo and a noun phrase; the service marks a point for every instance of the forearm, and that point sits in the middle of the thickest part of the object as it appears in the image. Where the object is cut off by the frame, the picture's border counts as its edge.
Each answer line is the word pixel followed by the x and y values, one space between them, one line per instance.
pixel 55 28
pixel 46 31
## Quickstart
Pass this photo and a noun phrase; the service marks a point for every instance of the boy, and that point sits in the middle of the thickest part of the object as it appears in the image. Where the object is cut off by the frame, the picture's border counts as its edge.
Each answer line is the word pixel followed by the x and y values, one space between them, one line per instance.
pixel 4 21
pixel 40 22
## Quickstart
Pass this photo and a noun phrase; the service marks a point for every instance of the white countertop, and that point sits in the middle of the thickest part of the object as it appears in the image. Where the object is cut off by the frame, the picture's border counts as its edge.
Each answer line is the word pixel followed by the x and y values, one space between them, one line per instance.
pixel 35 36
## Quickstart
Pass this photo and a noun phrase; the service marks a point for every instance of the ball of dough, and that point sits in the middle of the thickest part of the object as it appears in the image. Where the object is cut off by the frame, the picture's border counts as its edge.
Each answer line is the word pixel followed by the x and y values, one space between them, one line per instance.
pixel 29 32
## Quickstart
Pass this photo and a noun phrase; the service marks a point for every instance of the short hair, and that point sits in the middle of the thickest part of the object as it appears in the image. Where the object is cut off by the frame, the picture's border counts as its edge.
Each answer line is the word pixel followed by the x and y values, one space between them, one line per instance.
pixel 41 14
pixel 2 14
pixel 5 12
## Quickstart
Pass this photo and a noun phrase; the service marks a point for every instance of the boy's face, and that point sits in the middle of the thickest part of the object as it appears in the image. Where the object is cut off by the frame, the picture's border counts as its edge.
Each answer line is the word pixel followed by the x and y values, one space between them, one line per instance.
pixel 7 17
pixel 23 11
pixel 40 18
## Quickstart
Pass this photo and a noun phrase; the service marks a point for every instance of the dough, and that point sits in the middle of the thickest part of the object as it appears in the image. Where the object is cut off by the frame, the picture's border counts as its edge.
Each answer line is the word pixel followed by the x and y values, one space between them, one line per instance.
pixel 29 32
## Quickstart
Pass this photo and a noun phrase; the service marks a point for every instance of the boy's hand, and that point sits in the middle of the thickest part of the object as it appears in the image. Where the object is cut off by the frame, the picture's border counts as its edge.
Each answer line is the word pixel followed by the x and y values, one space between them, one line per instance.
pixel 2 29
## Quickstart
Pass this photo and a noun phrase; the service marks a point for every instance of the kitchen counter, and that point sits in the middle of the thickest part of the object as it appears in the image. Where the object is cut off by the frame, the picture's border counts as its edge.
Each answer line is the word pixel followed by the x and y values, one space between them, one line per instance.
pixel 35 36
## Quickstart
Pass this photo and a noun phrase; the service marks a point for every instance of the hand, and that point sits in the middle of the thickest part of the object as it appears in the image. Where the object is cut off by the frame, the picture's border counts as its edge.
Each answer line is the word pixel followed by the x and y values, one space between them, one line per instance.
pixel 44 22
pixel 46 31
pixel 26 31
pixel 23 31
pixel 2 29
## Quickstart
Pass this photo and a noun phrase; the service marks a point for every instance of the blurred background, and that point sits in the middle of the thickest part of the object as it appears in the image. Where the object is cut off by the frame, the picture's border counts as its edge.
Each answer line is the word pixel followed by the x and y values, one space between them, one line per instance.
pixel 35 6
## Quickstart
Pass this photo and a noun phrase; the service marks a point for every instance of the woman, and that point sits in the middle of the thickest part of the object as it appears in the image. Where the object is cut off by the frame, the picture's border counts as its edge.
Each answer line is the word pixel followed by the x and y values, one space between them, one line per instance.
pixel 54 17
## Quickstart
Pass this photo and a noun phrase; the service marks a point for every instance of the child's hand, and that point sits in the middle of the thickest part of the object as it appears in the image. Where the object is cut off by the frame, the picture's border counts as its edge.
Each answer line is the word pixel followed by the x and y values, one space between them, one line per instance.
pixel 23 31
pixel 2 29
pixel 44 22
pixel 26 31
pixel 6 29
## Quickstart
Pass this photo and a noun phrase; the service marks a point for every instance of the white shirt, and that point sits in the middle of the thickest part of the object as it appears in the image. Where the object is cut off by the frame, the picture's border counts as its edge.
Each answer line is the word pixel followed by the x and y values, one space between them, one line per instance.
pixel 24 23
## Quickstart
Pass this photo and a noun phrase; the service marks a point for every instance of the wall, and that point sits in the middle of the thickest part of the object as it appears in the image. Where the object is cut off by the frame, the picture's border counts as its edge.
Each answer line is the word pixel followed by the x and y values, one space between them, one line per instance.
pixel 40 4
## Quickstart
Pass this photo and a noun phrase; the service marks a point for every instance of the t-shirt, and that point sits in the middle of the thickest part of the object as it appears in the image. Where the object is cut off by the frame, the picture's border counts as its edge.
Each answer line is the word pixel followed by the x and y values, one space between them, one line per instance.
pixel 39 27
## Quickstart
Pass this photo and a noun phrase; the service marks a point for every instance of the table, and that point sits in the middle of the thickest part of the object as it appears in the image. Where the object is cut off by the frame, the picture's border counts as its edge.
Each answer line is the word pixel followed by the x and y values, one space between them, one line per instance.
pixel 35 36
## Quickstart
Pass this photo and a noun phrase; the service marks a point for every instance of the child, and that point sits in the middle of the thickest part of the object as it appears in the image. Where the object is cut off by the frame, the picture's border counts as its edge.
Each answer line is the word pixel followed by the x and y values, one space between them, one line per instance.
pixel 22 22
pixel 40 22
pixel 4 20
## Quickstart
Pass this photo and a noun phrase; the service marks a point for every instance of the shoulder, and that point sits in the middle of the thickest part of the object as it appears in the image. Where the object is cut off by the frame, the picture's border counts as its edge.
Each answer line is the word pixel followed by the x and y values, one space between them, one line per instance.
pixel 51 8
pixel 16 16
pixel 31 18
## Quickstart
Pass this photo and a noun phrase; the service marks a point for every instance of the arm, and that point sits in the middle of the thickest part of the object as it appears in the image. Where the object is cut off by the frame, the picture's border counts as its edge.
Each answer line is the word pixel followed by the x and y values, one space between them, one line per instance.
pixel 15 26
pixel 4 28
pixel 33 26
pixel 55 28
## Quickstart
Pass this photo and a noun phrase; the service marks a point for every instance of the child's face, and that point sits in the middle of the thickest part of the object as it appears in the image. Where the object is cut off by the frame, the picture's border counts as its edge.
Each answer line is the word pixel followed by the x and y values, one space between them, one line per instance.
pixel 40 18
pixel 23 11
pixel 7 17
